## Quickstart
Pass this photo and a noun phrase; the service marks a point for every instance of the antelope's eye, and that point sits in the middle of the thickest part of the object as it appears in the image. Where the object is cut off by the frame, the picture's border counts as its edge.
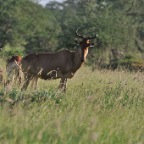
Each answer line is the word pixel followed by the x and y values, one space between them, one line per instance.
pixel 88 41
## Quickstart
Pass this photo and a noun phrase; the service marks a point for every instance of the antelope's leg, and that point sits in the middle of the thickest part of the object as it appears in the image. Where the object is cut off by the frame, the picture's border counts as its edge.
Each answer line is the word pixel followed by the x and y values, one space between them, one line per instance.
pixel 10 75
pixel 62 85
pixel 20 78
pixel 27 79
pixel 12 70
pixel 20 74
pixel 34 82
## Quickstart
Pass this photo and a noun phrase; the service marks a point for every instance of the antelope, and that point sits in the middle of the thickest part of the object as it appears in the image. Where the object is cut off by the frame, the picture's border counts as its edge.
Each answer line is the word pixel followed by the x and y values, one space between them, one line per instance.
pixel 62 64
pixel 12 69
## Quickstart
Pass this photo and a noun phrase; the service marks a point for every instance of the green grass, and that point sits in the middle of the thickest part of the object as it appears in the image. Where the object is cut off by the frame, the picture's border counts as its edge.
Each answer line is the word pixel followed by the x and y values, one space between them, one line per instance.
pixel 100 107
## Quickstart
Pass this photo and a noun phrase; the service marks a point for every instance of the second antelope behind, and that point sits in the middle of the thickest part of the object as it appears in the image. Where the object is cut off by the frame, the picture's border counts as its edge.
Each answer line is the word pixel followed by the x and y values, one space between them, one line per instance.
pixel 62 64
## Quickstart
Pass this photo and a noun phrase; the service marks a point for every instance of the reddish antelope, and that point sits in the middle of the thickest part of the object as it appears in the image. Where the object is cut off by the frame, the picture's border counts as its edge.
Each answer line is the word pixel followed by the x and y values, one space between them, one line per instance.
pixel 12 69
pixel 62 64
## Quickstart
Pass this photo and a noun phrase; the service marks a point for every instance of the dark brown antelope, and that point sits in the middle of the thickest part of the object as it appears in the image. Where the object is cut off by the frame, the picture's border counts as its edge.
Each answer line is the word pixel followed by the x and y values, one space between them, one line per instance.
pixel 62 64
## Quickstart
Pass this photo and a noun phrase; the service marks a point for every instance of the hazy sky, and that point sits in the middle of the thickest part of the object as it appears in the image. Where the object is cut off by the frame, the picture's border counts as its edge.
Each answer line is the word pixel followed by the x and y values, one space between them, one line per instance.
pixel 44 2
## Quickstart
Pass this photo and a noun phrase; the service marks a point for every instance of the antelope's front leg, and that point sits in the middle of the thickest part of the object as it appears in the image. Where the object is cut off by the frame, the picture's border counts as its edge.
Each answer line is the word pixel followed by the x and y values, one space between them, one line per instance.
pixel 35 82
pixel 27 79
pixel 62 85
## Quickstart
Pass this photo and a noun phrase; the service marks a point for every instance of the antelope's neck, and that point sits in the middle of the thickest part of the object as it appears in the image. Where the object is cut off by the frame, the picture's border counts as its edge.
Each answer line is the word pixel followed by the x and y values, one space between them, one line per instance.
pixel 81 55
pixel 79 58
pixel 84 53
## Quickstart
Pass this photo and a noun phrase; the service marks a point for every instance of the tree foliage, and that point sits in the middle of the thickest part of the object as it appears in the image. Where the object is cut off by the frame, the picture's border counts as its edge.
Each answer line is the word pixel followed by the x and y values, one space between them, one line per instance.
pixel 23 22
pixel 119 24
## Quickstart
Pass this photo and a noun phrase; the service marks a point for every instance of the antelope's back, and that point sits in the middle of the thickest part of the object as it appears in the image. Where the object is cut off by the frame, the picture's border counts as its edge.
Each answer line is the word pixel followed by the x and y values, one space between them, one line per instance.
pixel 47 61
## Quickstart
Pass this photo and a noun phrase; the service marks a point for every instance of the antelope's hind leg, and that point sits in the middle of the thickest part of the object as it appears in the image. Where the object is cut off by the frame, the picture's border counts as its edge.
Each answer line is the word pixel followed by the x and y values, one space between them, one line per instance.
pixel 62 85
pixel 27 79
pixel 34 83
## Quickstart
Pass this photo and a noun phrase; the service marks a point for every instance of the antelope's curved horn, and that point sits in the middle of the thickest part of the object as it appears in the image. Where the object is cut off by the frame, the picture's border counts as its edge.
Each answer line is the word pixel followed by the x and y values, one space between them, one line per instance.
pixel 81 36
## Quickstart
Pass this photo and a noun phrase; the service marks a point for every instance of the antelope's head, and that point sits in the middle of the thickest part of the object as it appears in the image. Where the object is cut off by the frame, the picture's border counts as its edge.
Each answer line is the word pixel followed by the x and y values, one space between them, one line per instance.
pixel 85 43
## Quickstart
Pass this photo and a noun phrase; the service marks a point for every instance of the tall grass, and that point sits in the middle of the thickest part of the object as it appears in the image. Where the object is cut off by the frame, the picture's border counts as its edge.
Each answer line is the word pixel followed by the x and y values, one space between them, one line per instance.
pixel 100 107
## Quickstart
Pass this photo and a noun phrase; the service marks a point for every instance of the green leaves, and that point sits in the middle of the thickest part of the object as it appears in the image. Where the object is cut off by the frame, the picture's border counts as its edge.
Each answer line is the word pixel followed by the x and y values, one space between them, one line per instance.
pixel 25 23
pixel 22 21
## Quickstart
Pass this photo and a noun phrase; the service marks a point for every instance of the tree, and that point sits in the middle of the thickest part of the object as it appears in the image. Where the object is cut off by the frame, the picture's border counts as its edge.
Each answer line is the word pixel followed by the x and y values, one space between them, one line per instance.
pixel 6 21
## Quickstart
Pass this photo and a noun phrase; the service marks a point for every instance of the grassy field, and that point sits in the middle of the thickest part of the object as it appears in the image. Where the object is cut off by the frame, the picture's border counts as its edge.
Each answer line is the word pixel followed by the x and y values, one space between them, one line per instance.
pixel 100 107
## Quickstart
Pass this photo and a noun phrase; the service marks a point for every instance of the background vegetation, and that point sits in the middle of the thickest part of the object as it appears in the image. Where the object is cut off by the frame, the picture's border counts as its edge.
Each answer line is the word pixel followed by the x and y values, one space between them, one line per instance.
pixel 99 107
pixel 29 27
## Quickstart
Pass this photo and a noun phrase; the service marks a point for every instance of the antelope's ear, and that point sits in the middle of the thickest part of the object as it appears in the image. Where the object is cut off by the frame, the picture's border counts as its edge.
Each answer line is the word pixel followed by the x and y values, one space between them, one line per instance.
pixel 76 42
pixel 92 45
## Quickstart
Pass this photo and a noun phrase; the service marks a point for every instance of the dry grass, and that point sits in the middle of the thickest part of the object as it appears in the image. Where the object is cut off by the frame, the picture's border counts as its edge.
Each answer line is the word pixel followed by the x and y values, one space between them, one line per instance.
pixel 103 107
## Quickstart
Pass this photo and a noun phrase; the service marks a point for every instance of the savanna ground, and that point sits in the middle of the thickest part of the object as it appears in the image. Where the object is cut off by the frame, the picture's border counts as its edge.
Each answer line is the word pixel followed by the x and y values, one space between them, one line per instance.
pixel 100 107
